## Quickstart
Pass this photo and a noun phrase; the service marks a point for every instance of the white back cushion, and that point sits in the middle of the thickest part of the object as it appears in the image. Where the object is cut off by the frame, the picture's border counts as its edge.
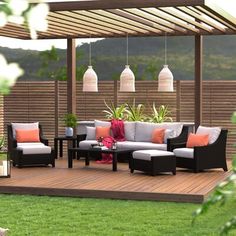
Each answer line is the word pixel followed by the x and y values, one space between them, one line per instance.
pixel 213 132
pixel 169 133
pixel 25 126
pixel 102 123
pixel 143 132
pixel 91 133
pixel 129 130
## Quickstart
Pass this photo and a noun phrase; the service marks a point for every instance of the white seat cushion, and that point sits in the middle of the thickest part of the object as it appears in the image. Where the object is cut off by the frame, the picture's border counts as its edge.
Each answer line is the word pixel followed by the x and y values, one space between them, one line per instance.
pixel 34 148
pixel 141 145
pixel 184 152
pixel 147 155
pixel 213 132
pixel 87 143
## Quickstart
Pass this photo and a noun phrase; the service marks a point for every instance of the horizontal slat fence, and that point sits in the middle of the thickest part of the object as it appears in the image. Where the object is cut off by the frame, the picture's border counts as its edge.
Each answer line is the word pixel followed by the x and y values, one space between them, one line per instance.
pixel 46 102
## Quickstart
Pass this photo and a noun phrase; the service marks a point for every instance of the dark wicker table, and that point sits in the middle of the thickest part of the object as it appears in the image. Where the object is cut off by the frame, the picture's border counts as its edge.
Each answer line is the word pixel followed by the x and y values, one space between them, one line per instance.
pixel 87 151
pixel 74 141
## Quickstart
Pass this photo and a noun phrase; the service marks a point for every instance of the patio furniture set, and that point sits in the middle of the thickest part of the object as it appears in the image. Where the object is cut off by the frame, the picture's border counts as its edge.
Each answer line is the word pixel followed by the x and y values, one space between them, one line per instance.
pixel 143 154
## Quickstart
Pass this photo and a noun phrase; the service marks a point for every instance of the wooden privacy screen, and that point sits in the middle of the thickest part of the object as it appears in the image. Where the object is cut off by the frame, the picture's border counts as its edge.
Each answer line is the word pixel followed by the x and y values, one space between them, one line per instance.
pixel 46 102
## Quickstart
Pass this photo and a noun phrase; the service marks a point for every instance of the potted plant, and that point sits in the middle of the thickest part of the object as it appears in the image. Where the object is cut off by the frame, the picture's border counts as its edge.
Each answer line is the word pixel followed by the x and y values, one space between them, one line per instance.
pixel 70 120
pixel 135 113
pixel 113 112
pixel 159 115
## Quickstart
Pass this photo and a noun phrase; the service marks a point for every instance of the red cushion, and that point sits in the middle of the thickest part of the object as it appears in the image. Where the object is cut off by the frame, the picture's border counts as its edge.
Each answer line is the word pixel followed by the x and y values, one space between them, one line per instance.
pixel 31 135
pixel 158 135
pixel 197 140
pixel 102 132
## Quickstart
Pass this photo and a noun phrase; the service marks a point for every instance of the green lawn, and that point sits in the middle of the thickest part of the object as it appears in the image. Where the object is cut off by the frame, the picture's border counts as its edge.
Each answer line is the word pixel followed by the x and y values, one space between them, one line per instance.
pixel 33 215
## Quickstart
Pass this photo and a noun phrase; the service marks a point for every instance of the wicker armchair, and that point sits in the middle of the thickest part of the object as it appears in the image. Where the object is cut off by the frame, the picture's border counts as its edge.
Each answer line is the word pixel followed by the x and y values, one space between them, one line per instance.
pixel 205 157
pixel 20 159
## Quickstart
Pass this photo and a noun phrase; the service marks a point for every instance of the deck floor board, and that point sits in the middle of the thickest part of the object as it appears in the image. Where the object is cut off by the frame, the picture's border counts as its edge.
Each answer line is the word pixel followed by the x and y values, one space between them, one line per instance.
pixel 100 181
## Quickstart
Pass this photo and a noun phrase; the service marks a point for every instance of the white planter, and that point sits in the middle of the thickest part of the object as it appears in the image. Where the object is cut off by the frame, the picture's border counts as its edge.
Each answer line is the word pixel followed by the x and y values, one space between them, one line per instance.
pixel 69 132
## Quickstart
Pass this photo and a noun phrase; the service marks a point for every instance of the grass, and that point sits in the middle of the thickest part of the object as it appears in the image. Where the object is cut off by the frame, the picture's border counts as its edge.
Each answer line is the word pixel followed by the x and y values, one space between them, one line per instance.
pixel 61 216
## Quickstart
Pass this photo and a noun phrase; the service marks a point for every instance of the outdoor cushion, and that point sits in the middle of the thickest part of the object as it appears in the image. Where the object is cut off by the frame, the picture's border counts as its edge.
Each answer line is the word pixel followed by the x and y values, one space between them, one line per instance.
pixel 141 145
pixel 87 143
pixel 213 132
pixel 130 130
pixel 102 132
pixel 148 154
pixel 184 152
pixel 102 123
pixel 90 133
pixel 169 134
pixel 197 140
pixel 158 135
pixel 31 135
pixel 39 148
pixel 143 132
pixel 175 126
pixel 144 129
pixel 25 126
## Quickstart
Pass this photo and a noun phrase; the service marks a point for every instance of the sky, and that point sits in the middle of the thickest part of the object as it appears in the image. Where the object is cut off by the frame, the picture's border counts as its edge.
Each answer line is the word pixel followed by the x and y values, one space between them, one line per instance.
pixel 39 45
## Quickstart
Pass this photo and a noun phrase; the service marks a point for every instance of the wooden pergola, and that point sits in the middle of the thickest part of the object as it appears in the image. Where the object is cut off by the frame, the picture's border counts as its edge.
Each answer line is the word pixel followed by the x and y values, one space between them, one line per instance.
pixel 137 18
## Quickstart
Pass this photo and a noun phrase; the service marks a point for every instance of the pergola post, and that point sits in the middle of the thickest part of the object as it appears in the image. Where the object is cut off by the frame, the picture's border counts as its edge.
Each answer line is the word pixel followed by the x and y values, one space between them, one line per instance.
pixel 198 80
pixel 71 76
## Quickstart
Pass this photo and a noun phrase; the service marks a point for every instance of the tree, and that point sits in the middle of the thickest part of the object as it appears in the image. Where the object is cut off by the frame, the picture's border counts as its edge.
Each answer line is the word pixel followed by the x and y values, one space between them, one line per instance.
pixel 50 59
pixel 19 12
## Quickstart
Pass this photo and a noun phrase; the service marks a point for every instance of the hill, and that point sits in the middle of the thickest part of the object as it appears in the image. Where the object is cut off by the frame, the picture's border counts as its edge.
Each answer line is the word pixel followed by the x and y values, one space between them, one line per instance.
pixel 146 57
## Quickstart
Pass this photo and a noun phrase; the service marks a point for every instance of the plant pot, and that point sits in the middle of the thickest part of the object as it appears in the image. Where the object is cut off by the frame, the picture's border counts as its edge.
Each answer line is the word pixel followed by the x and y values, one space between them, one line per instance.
pixel 69 131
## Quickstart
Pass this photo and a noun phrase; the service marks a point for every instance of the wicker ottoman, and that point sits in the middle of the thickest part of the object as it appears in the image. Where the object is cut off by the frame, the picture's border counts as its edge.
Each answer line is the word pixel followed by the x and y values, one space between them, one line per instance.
pixel 153 161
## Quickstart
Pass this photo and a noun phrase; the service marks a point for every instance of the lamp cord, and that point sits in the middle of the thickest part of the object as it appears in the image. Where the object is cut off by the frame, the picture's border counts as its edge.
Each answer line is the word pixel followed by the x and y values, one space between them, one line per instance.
pixel 165 49
pixel 127 49
pixel 90 52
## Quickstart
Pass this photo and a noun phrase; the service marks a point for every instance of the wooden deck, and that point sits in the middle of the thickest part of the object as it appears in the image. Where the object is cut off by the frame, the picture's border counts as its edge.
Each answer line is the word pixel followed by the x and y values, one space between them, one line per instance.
pixel 99 181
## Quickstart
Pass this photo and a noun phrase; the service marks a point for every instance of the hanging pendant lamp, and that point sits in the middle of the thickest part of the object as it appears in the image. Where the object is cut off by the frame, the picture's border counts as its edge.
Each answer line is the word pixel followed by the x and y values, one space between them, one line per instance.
pixel 165 77
pixel 90 79
pixel 127 78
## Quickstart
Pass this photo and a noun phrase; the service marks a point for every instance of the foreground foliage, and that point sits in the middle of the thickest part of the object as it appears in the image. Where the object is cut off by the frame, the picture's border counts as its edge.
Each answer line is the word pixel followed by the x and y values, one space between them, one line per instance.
pixel 61 216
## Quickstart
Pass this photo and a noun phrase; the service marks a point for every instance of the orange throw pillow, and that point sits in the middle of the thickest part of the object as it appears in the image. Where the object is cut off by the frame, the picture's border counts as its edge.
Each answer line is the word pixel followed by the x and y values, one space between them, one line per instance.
pixel 158 135
pixel 196 140
pixel 23 135
pixel 102 132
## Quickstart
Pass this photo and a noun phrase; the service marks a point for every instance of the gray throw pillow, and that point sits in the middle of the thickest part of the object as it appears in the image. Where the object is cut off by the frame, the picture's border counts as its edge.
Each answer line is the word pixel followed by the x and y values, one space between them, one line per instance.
pixel 91 133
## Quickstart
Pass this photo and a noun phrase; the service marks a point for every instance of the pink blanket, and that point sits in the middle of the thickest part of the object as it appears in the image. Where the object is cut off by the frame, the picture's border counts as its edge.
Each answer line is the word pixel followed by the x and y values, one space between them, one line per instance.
pixel 118 131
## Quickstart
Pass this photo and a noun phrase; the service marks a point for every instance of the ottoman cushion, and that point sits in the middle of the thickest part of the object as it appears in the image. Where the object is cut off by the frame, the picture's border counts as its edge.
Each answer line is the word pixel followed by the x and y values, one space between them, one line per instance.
pixel 147 155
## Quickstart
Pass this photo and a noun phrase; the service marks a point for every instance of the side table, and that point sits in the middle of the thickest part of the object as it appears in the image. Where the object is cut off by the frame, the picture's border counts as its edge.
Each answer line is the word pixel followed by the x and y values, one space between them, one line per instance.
pixel 74 140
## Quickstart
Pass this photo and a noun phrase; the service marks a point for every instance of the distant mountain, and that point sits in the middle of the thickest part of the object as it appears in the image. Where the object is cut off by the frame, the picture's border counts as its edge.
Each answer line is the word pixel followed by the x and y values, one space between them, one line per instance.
pixel 146 57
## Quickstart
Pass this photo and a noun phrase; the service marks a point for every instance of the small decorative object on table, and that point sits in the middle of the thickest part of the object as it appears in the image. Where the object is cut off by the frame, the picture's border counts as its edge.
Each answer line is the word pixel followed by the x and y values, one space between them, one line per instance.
pixel 114 145
pixel 70 122
pixel 100 144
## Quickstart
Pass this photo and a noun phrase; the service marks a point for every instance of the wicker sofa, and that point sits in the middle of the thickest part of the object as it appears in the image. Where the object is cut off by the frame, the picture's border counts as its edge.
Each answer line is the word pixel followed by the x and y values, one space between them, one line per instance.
pixel 138 135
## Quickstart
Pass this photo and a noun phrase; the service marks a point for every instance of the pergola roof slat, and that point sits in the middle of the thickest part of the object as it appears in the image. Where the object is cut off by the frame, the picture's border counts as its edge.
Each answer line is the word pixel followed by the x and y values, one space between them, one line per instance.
pixel 116 18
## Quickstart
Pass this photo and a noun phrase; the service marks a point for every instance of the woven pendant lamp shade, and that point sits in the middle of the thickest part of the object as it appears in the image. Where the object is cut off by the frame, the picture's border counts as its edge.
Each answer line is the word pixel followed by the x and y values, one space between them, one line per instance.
pixel 127 80
pixel 165 80
pixel 90 80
